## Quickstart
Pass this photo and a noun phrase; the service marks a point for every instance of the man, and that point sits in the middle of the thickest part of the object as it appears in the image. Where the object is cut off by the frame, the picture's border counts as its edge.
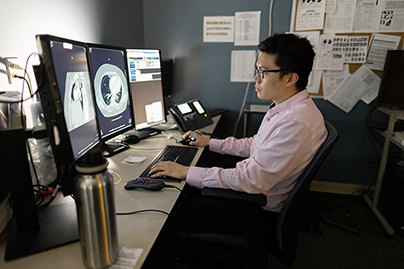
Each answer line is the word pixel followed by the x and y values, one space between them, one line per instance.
pixel 290 134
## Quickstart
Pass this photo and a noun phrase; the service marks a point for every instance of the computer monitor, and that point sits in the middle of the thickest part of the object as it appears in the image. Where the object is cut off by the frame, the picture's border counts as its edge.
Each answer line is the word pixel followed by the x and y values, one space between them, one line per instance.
pixel 68 104
pixel 66 93
pixel 391 91
pixel 147 91
pixel 109 71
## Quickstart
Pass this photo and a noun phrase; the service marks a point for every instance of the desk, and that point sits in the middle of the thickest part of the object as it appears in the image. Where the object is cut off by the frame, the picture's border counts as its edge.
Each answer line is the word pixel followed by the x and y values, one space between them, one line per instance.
pixel 135 231
pixel 395 114
pixel 253 109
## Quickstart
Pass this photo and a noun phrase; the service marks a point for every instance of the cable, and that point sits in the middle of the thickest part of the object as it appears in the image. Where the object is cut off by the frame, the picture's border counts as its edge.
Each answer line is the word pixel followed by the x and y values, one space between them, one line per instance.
pixel 241 108
pixel 113 172
pixel 243 103
pixel 172 186
pixel 270 17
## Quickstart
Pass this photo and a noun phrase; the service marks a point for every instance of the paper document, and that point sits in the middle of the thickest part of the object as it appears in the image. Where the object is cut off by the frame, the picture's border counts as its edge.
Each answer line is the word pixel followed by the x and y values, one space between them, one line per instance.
pixel 247 31
pixel 218 29
pixel 128 257
pixel 371 80
pixel 314 81
pixel 348 93
pixel 331 80
pixel 329 56
pixel 361 85
pixel 392 16
pixel 341 21
pixel 310 15
pixel 242 65
pixel 367 16
pixel 379 45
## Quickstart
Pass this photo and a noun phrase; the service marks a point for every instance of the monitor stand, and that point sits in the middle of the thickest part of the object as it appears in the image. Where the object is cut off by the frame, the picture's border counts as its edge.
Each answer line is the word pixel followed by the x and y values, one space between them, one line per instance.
pixel 58 227
pixel 110 148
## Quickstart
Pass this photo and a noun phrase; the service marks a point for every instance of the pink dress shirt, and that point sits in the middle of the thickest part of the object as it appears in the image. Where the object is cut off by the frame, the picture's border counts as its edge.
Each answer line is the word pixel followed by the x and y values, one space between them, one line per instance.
pixel 289 136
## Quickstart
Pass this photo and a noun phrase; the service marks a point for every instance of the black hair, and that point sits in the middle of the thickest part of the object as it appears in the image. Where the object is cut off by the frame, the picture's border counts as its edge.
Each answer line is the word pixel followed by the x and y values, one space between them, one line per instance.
pixel 293 53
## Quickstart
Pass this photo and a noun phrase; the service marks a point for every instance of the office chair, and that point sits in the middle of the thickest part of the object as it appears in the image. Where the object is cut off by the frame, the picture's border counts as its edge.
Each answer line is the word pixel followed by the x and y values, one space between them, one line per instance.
pixel 284 246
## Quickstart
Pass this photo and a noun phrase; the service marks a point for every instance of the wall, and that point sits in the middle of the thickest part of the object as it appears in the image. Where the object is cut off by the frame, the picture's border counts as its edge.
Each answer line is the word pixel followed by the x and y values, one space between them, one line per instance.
pixel 98 21
pixel 202 70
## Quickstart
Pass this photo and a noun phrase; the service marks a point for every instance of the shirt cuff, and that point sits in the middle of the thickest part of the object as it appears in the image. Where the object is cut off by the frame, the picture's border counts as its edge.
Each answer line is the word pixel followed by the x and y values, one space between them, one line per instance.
pixel 215 145
pixel 194 177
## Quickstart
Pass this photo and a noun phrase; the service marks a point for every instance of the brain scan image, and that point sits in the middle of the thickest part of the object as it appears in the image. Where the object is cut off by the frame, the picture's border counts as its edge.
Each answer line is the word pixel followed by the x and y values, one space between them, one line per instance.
pixel 78 103
pixel 111 91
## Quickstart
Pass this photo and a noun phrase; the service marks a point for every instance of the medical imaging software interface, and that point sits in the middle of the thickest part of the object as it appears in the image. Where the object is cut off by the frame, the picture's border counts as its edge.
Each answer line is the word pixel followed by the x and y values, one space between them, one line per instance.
pixel 109 70
pixel 73 77
pixel 147 92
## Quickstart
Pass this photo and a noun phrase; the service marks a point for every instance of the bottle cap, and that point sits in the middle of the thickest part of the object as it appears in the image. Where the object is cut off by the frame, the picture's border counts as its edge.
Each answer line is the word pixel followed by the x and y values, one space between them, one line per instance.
pixel 91 162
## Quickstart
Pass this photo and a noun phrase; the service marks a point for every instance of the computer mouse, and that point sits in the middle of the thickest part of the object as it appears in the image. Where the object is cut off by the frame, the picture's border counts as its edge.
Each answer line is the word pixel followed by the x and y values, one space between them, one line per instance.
pixel 131 139
pixel 187 140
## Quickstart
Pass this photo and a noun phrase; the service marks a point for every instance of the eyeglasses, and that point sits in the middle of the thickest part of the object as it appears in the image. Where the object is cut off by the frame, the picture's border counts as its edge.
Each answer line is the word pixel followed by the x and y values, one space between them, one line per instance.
pixel 261 72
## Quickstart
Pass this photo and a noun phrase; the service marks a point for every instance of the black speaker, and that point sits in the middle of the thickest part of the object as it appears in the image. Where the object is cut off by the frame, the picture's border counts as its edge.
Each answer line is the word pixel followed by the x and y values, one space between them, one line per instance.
pixel 167 76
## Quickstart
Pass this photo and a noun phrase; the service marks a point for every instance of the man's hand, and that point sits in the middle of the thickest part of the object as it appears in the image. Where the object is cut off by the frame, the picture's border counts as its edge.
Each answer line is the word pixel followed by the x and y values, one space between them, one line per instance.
pixel 200 141
pixel 170 169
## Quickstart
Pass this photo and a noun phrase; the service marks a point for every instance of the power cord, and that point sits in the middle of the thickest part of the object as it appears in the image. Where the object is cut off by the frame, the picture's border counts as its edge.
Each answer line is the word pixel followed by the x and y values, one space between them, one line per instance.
pixel 158 211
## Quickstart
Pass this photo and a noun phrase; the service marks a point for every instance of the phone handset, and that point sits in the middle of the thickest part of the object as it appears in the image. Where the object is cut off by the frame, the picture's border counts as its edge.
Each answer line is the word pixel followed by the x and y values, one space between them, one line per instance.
pixel 180 120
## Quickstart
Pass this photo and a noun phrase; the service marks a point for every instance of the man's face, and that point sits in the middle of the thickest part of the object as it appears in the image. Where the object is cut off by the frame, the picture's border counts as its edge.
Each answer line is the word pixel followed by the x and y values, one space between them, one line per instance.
pixel 272 86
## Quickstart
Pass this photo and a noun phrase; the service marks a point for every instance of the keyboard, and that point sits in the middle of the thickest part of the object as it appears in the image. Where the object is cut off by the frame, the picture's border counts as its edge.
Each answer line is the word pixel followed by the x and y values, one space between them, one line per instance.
pixel 178 154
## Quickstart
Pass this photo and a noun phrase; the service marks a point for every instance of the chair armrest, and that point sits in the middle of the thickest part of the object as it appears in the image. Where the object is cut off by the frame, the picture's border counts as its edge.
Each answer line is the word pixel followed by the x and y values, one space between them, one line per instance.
pixel 236 196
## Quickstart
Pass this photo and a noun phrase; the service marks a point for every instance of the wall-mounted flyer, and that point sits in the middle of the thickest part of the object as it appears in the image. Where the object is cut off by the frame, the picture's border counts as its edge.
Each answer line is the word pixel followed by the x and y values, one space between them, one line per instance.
pixel 218 29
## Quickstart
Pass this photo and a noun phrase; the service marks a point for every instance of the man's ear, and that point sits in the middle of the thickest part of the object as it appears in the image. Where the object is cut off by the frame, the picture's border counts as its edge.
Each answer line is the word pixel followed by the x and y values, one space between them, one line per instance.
pixel 292 79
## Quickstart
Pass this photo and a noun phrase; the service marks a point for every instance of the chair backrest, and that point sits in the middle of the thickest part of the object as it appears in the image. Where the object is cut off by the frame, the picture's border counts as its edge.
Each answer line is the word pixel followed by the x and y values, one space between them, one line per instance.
pixel 287 231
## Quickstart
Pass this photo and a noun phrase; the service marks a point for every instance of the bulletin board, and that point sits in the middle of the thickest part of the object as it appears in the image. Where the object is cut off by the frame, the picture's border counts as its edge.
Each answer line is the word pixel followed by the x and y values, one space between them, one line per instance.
pixel 352 66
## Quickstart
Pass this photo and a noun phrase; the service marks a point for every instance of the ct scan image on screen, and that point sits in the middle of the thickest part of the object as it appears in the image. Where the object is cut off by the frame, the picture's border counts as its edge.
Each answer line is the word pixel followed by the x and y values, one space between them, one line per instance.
pixel 111 87
pixel 78 100
pixel 75 89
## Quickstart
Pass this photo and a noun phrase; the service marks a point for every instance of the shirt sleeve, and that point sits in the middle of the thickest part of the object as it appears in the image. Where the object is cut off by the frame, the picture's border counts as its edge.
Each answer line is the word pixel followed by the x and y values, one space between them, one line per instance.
pixel 232 146
pixel 281 155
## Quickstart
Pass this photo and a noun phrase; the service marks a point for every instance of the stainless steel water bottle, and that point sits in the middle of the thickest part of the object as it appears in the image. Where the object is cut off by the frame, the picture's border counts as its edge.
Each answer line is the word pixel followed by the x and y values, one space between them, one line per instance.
pixel 95 203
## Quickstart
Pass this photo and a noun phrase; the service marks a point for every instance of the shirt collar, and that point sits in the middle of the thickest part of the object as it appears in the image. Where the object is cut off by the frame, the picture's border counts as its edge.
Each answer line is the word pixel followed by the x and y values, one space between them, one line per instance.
pixel 273 110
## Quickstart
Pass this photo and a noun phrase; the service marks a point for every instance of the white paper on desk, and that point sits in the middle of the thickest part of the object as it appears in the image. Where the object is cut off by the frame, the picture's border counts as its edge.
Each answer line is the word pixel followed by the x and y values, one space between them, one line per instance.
pixel 218 29
pixel 348 93
pixel 247 29
pixel 341 21
pixel 242 65
pixel 134 160
pixel 331 80
pixel 367 16
pixel 310 15
pixel 371 80
pixel 392 16
pixel 379 45
pixel 127 258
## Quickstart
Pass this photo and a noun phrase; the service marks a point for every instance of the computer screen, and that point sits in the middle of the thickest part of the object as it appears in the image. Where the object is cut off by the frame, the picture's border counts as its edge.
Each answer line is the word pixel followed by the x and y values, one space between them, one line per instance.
pixel 146 86
pixel 391 91
pixel 109 71
pixel 68 73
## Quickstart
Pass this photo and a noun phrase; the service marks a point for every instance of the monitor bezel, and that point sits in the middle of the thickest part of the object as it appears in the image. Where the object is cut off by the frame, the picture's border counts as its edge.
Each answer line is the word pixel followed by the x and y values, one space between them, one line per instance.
pixel 129 127
pixel 385 79
pixel 62 146
pixel 162 92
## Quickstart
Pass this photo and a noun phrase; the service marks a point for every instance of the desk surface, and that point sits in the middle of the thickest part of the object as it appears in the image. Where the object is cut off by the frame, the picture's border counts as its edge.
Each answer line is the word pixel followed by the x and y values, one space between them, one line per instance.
pixel 135 231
